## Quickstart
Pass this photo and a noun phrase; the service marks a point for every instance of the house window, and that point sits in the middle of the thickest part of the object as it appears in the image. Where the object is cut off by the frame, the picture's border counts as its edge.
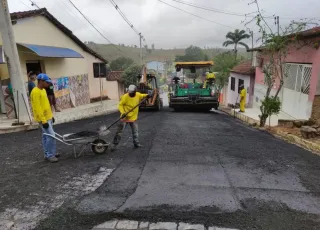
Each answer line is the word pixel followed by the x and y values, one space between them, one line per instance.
pixel 297 77
pixel 233 83
pixel 99 70
pixel 240 82
pixel 34 66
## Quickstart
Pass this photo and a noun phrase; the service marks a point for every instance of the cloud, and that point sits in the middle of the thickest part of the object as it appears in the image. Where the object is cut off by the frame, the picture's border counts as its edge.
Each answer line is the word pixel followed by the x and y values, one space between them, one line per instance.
pixel 163 25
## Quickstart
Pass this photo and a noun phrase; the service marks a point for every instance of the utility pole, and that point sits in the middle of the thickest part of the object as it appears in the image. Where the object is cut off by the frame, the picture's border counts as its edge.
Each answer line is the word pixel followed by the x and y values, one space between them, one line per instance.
pixel 276 22
pixel 251 44
pixel 141 47
pixel 13 64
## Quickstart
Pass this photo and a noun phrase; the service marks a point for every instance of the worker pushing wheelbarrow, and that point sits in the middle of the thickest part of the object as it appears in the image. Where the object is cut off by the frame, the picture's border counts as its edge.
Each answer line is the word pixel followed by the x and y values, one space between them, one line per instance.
pixel 129 109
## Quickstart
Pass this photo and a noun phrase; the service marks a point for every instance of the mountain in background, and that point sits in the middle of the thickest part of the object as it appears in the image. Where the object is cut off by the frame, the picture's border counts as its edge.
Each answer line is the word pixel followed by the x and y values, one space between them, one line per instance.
pixel 112 52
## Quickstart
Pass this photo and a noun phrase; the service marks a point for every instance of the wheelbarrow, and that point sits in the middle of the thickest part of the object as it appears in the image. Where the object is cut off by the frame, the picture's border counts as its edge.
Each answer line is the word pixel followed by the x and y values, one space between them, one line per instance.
pixel 89 138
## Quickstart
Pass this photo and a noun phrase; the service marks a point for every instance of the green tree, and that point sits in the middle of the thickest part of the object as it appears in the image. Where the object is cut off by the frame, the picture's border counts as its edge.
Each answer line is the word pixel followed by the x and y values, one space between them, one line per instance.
pixel 121 63
pixel 153 46
pixel 275 49
pixel 223 63
pixel 192 53
pixel 235 38
pixel 129 76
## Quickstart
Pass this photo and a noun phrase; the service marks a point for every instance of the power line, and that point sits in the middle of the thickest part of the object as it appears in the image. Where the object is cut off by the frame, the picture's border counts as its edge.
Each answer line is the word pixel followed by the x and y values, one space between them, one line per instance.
pixel 25 5
pixel 141 37
pixel 210 9
pixel 124 17
pixel 231 13
pixel 196 15
pixel 92 24
pixel 75 15
pixel 127 21
pixel 34 4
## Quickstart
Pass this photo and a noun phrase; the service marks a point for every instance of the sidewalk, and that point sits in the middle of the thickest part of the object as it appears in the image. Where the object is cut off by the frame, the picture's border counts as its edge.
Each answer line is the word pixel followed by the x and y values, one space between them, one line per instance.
pixel 251 116
pixel 67 115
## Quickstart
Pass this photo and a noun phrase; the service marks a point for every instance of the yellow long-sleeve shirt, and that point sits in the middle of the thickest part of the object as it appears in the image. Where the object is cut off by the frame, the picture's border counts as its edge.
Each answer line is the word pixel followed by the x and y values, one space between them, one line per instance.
pixel 40 105
pixel 127 103
pixel 243 94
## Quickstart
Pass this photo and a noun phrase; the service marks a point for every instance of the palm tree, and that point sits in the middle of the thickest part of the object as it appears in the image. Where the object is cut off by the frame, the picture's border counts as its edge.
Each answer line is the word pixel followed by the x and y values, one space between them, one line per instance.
pixel 234 38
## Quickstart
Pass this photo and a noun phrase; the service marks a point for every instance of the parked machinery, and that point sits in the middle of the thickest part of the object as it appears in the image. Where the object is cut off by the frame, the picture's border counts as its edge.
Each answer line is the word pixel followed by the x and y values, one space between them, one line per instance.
pixel 147 82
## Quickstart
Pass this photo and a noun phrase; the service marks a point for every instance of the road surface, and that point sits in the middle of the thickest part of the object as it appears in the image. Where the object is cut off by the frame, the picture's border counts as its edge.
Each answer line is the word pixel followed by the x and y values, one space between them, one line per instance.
pixel 203 168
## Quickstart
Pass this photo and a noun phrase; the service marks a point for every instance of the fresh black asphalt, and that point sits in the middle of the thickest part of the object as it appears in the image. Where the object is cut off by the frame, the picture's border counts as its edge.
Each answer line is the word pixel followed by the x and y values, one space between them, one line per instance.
pixel 196 167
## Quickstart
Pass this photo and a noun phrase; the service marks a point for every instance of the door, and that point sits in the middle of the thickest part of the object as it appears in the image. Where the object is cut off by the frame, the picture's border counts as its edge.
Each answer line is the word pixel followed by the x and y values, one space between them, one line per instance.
pixel 296 90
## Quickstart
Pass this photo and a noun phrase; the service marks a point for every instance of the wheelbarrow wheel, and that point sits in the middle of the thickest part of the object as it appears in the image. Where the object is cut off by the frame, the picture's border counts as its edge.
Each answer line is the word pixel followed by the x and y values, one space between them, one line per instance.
pixel 99 147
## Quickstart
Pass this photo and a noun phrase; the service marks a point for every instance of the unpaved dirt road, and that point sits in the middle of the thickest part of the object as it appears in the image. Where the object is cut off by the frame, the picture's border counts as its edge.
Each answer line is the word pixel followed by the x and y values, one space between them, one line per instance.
pixel 202 168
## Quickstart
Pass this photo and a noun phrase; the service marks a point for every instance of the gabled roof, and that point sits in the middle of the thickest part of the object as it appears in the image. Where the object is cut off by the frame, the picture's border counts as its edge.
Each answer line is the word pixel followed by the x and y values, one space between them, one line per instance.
pixel 114 76
pixel 310 33
pixel 244 67
pixel 313 32
pixel 64 29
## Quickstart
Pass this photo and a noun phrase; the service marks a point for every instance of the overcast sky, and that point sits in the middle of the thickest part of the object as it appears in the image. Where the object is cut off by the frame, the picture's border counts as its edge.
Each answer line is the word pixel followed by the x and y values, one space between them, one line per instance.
pixel 164 25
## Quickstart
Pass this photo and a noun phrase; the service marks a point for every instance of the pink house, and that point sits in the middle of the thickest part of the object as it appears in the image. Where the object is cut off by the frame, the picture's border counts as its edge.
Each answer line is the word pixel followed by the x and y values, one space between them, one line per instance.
pixel 300 92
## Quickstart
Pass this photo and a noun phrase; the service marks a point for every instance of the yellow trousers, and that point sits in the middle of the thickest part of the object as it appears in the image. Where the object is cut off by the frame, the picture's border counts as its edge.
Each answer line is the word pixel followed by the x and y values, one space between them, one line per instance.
pixel 242 104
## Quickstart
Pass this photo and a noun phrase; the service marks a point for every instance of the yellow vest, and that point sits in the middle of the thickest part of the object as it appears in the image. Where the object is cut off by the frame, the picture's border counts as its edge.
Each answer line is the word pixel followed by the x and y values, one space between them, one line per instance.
pixel 40 105
pixel 127 103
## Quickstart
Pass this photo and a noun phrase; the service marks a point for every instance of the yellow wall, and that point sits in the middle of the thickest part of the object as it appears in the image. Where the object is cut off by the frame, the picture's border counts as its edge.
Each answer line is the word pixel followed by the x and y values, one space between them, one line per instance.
pixel 113 90
pixel 3 72
pixel 40 31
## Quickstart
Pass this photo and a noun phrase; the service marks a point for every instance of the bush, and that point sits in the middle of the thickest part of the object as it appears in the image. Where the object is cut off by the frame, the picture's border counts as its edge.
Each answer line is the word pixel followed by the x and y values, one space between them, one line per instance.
pixel 269 106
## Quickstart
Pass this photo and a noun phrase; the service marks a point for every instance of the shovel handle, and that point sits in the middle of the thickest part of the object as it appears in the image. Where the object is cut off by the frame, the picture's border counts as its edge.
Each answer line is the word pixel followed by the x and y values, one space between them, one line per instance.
pixel 115 122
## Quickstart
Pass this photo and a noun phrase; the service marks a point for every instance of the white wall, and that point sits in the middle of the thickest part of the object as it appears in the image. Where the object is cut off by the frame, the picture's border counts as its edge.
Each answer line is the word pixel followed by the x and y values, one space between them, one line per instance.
pixel 296 104
pixel 232 96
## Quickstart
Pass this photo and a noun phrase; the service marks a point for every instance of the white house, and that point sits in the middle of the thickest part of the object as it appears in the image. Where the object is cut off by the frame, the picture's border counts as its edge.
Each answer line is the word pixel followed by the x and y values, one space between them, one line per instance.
pixel 244 74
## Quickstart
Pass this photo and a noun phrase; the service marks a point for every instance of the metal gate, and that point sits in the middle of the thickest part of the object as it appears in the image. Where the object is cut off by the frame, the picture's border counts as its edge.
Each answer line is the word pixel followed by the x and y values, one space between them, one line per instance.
pixel 296 90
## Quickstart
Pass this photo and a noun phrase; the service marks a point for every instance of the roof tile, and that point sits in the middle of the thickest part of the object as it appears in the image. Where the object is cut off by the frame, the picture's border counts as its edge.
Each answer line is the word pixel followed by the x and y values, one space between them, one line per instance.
pixel 114 76
pixel 244 67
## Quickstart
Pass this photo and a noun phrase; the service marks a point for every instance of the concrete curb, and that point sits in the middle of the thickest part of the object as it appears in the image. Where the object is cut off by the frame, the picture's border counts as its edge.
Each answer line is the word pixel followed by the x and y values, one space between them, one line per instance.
pixel 306 144
pixel 73 116
pixel 239 116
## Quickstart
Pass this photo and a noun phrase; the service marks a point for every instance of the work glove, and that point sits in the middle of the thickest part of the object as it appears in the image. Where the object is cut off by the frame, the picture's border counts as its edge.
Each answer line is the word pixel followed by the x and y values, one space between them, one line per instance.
pixel 45 125
pixel 123 115
pixel 53 120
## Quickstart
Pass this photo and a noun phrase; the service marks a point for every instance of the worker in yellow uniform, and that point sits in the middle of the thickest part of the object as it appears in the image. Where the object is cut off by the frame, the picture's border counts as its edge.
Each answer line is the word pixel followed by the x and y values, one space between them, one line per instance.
pixel 128 101
pixel 210 77
pixel 43 115
pixel 243 97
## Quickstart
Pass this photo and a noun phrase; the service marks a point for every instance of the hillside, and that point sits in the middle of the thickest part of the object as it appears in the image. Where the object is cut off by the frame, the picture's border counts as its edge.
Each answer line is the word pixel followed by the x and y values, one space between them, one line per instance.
pixel 111 52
